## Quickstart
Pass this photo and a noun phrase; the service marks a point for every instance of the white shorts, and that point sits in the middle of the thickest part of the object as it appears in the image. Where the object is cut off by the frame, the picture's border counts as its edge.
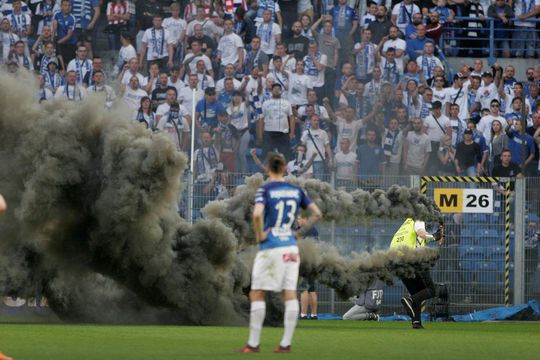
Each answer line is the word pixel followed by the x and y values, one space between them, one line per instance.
pixel 276 269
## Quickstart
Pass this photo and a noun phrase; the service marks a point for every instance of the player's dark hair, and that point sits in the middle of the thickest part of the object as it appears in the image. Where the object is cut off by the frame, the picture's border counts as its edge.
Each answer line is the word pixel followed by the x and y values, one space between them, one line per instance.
pixel 276 163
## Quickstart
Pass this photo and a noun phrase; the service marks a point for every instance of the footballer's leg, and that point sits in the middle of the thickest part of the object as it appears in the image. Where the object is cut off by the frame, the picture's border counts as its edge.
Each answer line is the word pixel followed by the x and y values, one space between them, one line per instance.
pixel 290 319
pixel 256 320
pixel 292 307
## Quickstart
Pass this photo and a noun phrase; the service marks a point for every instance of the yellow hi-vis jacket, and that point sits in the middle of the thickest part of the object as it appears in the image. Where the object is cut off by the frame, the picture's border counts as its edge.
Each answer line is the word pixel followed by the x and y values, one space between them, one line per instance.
pixel 406 236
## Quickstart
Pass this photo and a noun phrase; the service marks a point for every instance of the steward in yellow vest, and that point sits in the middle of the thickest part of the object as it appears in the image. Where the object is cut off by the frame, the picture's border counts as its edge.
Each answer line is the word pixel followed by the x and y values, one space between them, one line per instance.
pixel 412 234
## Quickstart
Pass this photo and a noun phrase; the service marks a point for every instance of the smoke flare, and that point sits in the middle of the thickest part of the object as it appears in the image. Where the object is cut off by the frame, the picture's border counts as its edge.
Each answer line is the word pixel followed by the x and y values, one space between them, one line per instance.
pixel 93 221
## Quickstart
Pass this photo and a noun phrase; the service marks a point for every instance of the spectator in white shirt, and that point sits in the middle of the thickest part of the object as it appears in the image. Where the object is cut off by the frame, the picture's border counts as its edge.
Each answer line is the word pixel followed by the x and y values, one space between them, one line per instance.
pixel 276 127
pixel 229 73
pixel 71 91
pixel 185 96
pixel 177 30
pixel 486 93
pixel 393 41
pixel 346 164
pixel 269 32
pixel 402 14
pixel 133 94
pixel 129 70
pixel 436 125
pixel 126 52
pixel 317 142
pixel 484 125
pixel 315 64
pixel 190 60
pixel 428 61
pixel 81 64
pixel 230 49
pixel 299 85
pixel 158 45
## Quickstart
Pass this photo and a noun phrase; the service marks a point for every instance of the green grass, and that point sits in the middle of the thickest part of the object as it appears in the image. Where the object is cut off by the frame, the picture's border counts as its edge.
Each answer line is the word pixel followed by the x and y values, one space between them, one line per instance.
pixel 313 340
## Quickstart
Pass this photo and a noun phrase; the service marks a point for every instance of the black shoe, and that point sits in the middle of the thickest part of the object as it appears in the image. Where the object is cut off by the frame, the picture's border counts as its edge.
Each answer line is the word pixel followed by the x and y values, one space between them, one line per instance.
pixel 250 349
pixel 283 349
pixel 373 317
pixel 305 317
pixel 314 317
pixel 417 325
pixel 408 305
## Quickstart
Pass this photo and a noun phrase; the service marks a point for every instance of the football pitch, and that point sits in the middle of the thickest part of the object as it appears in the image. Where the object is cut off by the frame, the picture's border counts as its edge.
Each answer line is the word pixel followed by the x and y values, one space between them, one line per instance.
pixel 313 340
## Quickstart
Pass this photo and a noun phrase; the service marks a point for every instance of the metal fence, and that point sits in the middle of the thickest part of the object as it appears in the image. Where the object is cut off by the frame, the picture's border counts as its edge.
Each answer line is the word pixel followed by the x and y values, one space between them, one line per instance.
pixel 473 262
pixel 491 38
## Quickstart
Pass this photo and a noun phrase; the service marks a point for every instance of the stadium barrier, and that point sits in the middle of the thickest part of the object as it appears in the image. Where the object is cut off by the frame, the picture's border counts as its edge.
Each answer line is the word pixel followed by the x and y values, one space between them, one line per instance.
pixel 456 38
pixel 489 258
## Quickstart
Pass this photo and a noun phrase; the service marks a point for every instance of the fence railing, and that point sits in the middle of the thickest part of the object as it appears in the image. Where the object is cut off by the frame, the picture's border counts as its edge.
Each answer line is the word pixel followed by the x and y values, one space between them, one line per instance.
pixel 490 37
pixel 473 260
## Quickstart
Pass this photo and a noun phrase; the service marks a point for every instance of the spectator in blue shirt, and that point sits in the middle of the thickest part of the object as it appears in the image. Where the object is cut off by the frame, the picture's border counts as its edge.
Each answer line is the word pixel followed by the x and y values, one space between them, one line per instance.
pixel 225 96
pixel 415 46
pixel 370 155
pixel 207 110
pixel 410 30
pixel 64 27
pixel 86 12
pixel 516 141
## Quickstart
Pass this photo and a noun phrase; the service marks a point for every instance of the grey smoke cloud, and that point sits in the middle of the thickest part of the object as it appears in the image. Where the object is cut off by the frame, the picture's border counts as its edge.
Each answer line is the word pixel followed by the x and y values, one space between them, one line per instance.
pixel 93 222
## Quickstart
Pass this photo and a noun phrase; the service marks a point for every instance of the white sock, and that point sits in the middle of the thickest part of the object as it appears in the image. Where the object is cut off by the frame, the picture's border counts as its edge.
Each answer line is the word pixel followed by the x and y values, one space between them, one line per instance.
pixel 291 317
pixel 256 320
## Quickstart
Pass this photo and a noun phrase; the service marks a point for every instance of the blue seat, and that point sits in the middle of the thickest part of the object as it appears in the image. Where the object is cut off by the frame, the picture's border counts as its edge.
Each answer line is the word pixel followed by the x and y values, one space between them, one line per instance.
pixel 496 252
pixel 468 241
pixel 360 231
pixel 468 232
pixel 488 232
pixel 532 217
pixel 474 218
pixel 471 250
pixel 490 242
pixel 471 262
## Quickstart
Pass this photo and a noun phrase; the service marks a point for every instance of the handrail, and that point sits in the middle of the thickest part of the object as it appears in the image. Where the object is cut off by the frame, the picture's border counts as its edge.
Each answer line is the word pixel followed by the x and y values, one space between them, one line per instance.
pixel 488 25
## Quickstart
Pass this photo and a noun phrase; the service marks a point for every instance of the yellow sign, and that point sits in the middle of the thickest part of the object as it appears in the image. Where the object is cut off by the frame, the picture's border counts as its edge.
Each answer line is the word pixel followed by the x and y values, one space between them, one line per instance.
pixel 449 200
pixel 464 200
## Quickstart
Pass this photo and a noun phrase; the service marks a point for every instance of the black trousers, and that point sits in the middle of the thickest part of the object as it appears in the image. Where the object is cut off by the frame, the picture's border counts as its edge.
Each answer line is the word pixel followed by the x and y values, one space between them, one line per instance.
pixel 421 288
pixel 276 141
pixel 67 52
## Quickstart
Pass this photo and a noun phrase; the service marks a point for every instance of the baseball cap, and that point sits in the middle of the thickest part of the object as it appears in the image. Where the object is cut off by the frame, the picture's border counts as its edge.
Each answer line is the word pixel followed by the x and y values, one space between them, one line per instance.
pixel 436 105
pixel 486 73
pixel 459 76
pixel 210 91
pixel 468 131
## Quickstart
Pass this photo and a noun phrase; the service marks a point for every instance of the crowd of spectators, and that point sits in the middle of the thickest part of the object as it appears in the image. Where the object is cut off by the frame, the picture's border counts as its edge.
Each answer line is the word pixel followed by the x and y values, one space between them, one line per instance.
pixel 353 88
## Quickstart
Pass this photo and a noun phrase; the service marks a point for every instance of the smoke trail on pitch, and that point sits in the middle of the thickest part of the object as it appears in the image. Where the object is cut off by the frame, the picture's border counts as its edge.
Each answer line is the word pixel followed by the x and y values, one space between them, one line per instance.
pixel 353 274
pixel 398 202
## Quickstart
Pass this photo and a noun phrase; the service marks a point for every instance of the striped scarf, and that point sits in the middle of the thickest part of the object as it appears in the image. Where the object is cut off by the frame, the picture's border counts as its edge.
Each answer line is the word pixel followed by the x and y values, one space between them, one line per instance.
pixel 389 146
pixel 255 107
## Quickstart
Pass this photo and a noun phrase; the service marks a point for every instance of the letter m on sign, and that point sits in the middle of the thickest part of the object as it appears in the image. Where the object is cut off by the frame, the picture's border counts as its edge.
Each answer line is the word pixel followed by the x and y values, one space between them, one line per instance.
pixel 449 200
